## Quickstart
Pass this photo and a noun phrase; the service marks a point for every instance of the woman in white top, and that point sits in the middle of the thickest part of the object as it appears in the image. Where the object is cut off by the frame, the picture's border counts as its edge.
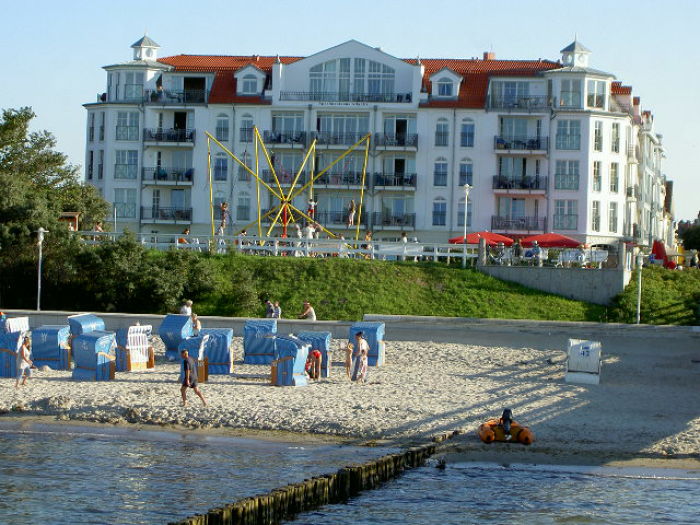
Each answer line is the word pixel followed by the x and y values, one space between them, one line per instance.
pixel 309 312
pixel 24 364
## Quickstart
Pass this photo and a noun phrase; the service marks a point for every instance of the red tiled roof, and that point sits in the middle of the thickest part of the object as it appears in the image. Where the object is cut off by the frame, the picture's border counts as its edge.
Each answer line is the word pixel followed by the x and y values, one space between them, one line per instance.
pixel 472 93
pixel 618 89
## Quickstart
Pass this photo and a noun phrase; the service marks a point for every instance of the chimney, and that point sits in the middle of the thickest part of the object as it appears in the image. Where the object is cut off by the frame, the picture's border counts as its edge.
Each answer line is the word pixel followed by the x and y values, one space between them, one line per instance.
pixel 489 55
pixel 636 106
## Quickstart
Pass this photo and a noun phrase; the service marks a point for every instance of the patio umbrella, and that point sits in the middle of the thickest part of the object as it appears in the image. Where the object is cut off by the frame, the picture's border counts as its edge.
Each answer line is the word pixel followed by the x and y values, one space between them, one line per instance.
pixel 491 238
pixel 550 240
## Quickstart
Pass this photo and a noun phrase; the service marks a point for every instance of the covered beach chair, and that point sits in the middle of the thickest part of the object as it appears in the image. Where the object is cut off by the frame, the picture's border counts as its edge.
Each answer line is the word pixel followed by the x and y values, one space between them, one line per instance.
pixel 10 343
pixel 15 324
pixel 288 366
pixel 584 362
pixel 133 351
pixel 84 323
pixel 374 334
pixel 258 341
pixel 51 346
pixel 218 350
pixel 196 348
pixel 174 329
pixel 93 353
pixel 320 341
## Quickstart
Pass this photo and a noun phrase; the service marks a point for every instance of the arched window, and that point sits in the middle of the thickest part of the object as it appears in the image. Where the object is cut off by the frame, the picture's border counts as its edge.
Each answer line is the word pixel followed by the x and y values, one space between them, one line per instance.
pixel 440 172
pixel 357 79
pixel 246 128
pixel 222 127
pixel 220 167
pixel 467 133
pixel 250 85
pixel 445 87
pixel 466 172
pixel 439 212
pixel 442 132
pixel 243 207
pixel 460 212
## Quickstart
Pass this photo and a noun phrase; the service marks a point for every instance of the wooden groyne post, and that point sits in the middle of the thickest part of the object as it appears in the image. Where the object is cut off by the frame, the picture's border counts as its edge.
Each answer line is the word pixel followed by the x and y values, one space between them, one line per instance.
pixel 286 502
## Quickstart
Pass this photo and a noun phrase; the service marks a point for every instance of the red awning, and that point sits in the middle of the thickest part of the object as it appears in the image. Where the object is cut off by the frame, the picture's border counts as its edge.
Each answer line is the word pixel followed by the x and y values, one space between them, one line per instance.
pixel 490 237
pixel 550 240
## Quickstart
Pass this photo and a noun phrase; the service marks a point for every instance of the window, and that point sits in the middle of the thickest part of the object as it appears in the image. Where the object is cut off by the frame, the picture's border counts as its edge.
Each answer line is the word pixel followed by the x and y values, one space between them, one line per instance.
pixel 615 138
pixel 569 134
pixel 566 175
pixel 595 216
pixel 598 136
pixel 460 213
pixel 596 94
pixel 222 127
pixel 467 134
pixel 442 132
pixel 102 125
pixel 612 217
pixel 508 94
pixel 91 128
pixel 445 87
pixel 597 176
pixel 439 212
pixel 246 128
pixel 250 85
pixel 126 166
pixel 614 177
pixel 243 207
pixel 565 214
pixel 127 125
pixel 341 128
pixel 288 123
pixel 125 202
pixel 133 87
pixel 243 174
pixel 466 172
pixel 440 173
pixel 220 168
pixel 100 164
pixel 570 94
pixel 346 79
pixel 91 159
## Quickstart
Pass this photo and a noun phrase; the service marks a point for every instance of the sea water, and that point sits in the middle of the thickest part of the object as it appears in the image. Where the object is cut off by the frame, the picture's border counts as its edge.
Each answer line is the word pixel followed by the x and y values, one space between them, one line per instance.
pixel 489 493
pixel 63 474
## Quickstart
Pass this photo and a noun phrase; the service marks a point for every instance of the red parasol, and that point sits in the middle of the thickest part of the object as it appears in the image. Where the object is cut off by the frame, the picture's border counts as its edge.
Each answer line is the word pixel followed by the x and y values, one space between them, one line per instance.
pixel 550 240
pixel 491 238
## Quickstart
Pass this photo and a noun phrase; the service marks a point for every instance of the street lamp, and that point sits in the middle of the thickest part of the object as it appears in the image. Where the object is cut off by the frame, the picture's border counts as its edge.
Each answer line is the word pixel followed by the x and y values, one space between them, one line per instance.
pixel 40 242
pixel 640 262
pixel 467 189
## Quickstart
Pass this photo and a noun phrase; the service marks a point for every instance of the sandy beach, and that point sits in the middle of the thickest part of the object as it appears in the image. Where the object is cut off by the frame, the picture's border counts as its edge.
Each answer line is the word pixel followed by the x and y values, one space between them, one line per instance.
pixel 645 411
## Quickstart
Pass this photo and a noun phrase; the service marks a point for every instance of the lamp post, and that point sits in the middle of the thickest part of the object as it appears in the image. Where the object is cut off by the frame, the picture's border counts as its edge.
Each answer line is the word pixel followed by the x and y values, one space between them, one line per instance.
pixel 467 188
pixel 40 242
pixel 640 261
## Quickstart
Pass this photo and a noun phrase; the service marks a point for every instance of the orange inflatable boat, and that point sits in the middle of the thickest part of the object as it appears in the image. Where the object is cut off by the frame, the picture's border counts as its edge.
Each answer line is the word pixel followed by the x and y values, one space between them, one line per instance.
pixel 505 429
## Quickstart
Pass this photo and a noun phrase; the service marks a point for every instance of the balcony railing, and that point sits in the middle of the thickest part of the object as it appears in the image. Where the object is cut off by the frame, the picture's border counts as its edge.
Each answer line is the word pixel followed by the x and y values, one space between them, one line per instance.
pixel 520 143
pixel 528 182
pixel 156 213
pixel 170 96
pixel 389 219
pixel 346 178
pixel 285 177
pixel 395 180
pixel 284 137
pixel 338 217
pixel 518 223
pixel 396 139
pixel 164 174
pixel 526 102
pixel 168 135
pixel 310 96
pixel 342 139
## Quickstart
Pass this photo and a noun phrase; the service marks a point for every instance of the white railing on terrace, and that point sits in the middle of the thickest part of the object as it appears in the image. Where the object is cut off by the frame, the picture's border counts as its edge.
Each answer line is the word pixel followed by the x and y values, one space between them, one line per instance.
pixel 297 247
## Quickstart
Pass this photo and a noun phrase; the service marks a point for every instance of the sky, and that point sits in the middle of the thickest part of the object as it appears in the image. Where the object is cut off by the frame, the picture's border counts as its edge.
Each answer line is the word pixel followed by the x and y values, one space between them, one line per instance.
pixel 53 52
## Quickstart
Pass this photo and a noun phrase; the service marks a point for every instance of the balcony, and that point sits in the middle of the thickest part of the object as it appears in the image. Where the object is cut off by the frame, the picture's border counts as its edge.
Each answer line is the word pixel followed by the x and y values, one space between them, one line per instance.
pixel 347 179
pixel 399 181
pixel 520 102
pixel 399 140
pixel 170 97
pixel 169 135
pixel 383 220
pixel 508 144
pixel 520 224
pixel 283 137
pixel 335 217
pixel 311 96
pixel 285 178
pixel 157 215
pixel 330 138
pixel 528 183
pixel 163 176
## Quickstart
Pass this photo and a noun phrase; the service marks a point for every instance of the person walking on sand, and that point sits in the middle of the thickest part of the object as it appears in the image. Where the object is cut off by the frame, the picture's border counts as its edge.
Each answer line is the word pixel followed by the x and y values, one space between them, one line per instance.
pixel 24 364
pixel 190 380
pixel 308 313
pixel 359 361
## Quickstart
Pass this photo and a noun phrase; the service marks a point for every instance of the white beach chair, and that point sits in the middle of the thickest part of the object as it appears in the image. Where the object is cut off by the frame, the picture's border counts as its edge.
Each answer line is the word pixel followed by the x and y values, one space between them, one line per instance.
pixel 584 361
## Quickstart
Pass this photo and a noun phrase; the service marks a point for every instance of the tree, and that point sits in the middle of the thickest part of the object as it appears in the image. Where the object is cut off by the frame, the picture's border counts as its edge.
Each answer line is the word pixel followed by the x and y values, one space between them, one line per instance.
pixel 691 238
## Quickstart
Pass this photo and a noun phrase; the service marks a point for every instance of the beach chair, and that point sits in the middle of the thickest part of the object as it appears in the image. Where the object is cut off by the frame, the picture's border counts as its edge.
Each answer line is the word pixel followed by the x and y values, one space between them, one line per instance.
pixel 133 351
pixel 174 329
pixel 258 341
pixel 320 341
pixel 218 350
pixel 93 353
pixel 16 324
pixel 287 369
pixel 51 346
pixel 10 343
pixel 584 362
pixel 374 334
pixel 196 348
pixel 84 323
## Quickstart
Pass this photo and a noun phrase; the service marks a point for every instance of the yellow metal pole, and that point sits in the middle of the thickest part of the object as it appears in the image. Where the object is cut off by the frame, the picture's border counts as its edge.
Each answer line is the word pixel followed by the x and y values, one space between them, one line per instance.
pixel 311 220
pixel 362 190
pixel 257 188
pixel 211 195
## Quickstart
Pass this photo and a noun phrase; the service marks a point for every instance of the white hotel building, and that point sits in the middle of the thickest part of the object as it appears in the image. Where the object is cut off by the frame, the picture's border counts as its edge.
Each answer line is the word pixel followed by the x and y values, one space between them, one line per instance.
pixel 545 145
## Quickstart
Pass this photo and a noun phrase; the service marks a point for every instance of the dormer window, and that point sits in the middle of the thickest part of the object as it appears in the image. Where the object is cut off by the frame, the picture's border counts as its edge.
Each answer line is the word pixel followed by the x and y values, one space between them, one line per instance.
pixel 445 87
pixel 445 83
pixel 250 85
pixel 596 94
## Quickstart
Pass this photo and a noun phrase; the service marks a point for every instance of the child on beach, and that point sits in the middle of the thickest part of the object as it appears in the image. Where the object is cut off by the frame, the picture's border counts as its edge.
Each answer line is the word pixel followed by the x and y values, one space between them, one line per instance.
pixel 313 364
pixel 24 364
